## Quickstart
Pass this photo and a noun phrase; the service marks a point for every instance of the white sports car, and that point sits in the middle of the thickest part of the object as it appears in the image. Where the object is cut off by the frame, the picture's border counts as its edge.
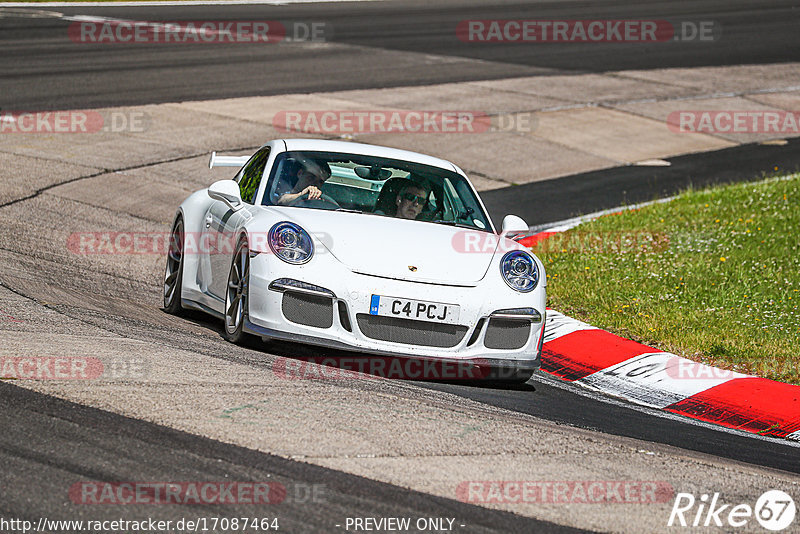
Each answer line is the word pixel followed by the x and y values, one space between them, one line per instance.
pixel 359 247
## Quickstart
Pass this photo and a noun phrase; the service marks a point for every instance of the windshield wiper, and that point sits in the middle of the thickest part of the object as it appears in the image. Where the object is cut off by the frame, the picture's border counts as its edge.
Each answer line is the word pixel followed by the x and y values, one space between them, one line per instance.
pixel 456 224
pixel 348 211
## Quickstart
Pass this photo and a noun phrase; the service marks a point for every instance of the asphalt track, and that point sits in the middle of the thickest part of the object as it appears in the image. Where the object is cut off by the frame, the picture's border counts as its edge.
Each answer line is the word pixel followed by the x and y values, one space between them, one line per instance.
pixel 367 45
pixel 43 70
pixel 591 192
pixel 61 441
pixel 544 398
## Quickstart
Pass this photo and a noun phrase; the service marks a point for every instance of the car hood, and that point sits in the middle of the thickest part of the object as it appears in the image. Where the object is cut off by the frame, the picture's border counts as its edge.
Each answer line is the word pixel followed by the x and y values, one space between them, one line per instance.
pixel 398 248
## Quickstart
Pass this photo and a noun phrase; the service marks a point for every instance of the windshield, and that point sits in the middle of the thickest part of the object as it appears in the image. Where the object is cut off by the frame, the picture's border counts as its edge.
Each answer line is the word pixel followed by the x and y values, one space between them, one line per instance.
pixel 379 186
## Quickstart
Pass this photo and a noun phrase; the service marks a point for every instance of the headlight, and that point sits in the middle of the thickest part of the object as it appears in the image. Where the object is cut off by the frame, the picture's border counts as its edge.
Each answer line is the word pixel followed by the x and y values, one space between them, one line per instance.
pixel 291 243
pixel 519 271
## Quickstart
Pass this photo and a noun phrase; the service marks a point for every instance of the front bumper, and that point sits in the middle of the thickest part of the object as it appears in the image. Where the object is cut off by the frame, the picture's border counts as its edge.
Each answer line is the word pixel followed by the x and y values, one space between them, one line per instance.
pixel 328 305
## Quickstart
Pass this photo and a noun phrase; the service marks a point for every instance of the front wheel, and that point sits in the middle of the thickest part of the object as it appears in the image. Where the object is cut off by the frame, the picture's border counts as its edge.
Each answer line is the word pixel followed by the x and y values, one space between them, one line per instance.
pixel 173 276
pixel 236 295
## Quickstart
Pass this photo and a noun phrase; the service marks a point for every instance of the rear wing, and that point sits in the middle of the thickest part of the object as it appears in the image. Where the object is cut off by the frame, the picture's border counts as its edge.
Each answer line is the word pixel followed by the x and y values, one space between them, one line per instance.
pixel 226 161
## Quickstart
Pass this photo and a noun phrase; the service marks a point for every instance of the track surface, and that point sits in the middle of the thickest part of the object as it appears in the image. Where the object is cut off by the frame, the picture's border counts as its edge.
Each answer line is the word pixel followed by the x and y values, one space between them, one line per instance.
pixel 373 45
pixel 368 45
pixel 79 439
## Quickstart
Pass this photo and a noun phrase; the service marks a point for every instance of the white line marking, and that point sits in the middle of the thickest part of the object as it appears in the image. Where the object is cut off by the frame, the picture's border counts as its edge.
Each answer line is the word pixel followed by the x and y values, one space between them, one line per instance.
pixel 652 163
pixel 568 224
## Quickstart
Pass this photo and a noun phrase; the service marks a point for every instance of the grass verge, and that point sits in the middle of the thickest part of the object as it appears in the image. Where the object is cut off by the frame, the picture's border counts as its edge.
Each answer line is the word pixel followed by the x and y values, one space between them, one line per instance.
pixel 712 275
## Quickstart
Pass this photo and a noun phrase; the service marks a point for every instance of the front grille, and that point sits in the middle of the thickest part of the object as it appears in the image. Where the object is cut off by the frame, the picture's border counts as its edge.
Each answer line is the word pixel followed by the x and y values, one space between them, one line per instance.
pixel 507 334
pixel 410 332
pixel 309 310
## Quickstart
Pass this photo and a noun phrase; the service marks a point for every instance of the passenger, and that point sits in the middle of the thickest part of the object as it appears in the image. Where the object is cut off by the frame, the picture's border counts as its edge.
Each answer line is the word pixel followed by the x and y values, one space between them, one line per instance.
pixel 411 200
pixel 308 180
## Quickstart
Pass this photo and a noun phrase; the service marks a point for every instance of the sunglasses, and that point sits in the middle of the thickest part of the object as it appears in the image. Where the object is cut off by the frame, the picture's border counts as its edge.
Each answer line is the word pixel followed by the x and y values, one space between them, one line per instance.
pixel 414 198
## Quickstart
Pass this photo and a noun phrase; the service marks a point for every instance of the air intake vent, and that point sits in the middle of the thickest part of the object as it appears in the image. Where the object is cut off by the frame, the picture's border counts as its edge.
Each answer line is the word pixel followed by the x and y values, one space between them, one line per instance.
pixel 507 334
pixel 410 332
pixel 309 310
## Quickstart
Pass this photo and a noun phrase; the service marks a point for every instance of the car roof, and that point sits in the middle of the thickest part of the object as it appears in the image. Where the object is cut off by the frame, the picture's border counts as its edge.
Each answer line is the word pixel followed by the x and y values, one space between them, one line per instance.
pixel 325 145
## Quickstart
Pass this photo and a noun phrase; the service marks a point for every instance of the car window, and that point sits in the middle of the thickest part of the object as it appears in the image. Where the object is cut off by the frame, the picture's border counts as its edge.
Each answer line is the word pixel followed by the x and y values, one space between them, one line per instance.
pixel 378 186
pixel 250 176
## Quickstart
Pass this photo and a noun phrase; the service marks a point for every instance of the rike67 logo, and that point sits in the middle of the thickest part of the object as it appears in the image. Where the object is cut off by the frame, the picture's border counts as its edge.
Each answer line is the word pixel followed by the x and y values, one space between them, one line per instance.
pixel 774 510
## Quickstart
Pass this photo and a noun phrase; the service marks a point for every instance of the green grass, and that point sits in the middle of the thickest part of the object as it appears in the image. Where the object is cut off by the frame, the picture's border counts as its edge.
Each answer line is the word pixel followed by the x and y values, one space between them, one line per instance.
pixel 712 275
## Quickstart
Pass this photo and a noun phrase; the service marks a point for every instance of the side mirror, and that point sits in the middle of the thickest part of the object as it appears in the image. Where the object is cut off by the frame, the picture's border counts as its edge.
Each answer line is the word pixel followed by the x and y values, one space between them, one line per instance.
pixel 226 191
pixel 514 227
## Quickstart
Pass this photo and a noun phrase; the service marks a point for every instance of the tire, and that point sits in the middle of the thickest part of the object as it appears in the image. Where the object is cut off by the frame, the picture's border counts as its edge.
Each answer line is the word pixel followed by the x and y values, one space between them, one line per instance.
pixel 236 294
pixel 505 375
pixel 173 274
pixel 519 377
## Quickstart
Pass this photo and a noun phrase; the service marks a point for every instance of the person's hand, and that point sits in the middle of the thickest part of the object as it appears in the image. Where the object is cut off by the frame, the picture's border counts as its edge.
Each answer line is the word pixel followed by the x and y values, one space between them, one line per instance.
pixel 312 191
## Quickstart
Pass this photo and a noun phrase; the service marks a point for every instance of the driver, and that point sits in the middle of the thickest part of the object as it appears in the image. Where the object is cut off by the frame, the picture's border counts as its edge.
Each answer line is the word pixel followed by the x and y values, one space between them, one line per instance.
pixel 308 180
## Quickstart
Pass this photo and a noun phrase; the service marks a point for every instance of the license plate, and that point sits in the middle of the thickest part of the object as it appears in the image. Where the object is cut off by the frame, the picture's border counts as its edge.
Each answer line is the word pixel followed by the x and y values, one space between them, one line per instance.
pixel 418 310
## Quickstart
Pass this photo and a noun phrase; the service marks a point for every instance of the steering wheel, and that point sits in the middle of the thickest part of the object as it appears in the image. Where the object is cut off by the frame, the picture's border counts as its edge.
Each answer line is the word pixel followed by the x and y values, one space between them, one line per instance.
pixel 325 202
